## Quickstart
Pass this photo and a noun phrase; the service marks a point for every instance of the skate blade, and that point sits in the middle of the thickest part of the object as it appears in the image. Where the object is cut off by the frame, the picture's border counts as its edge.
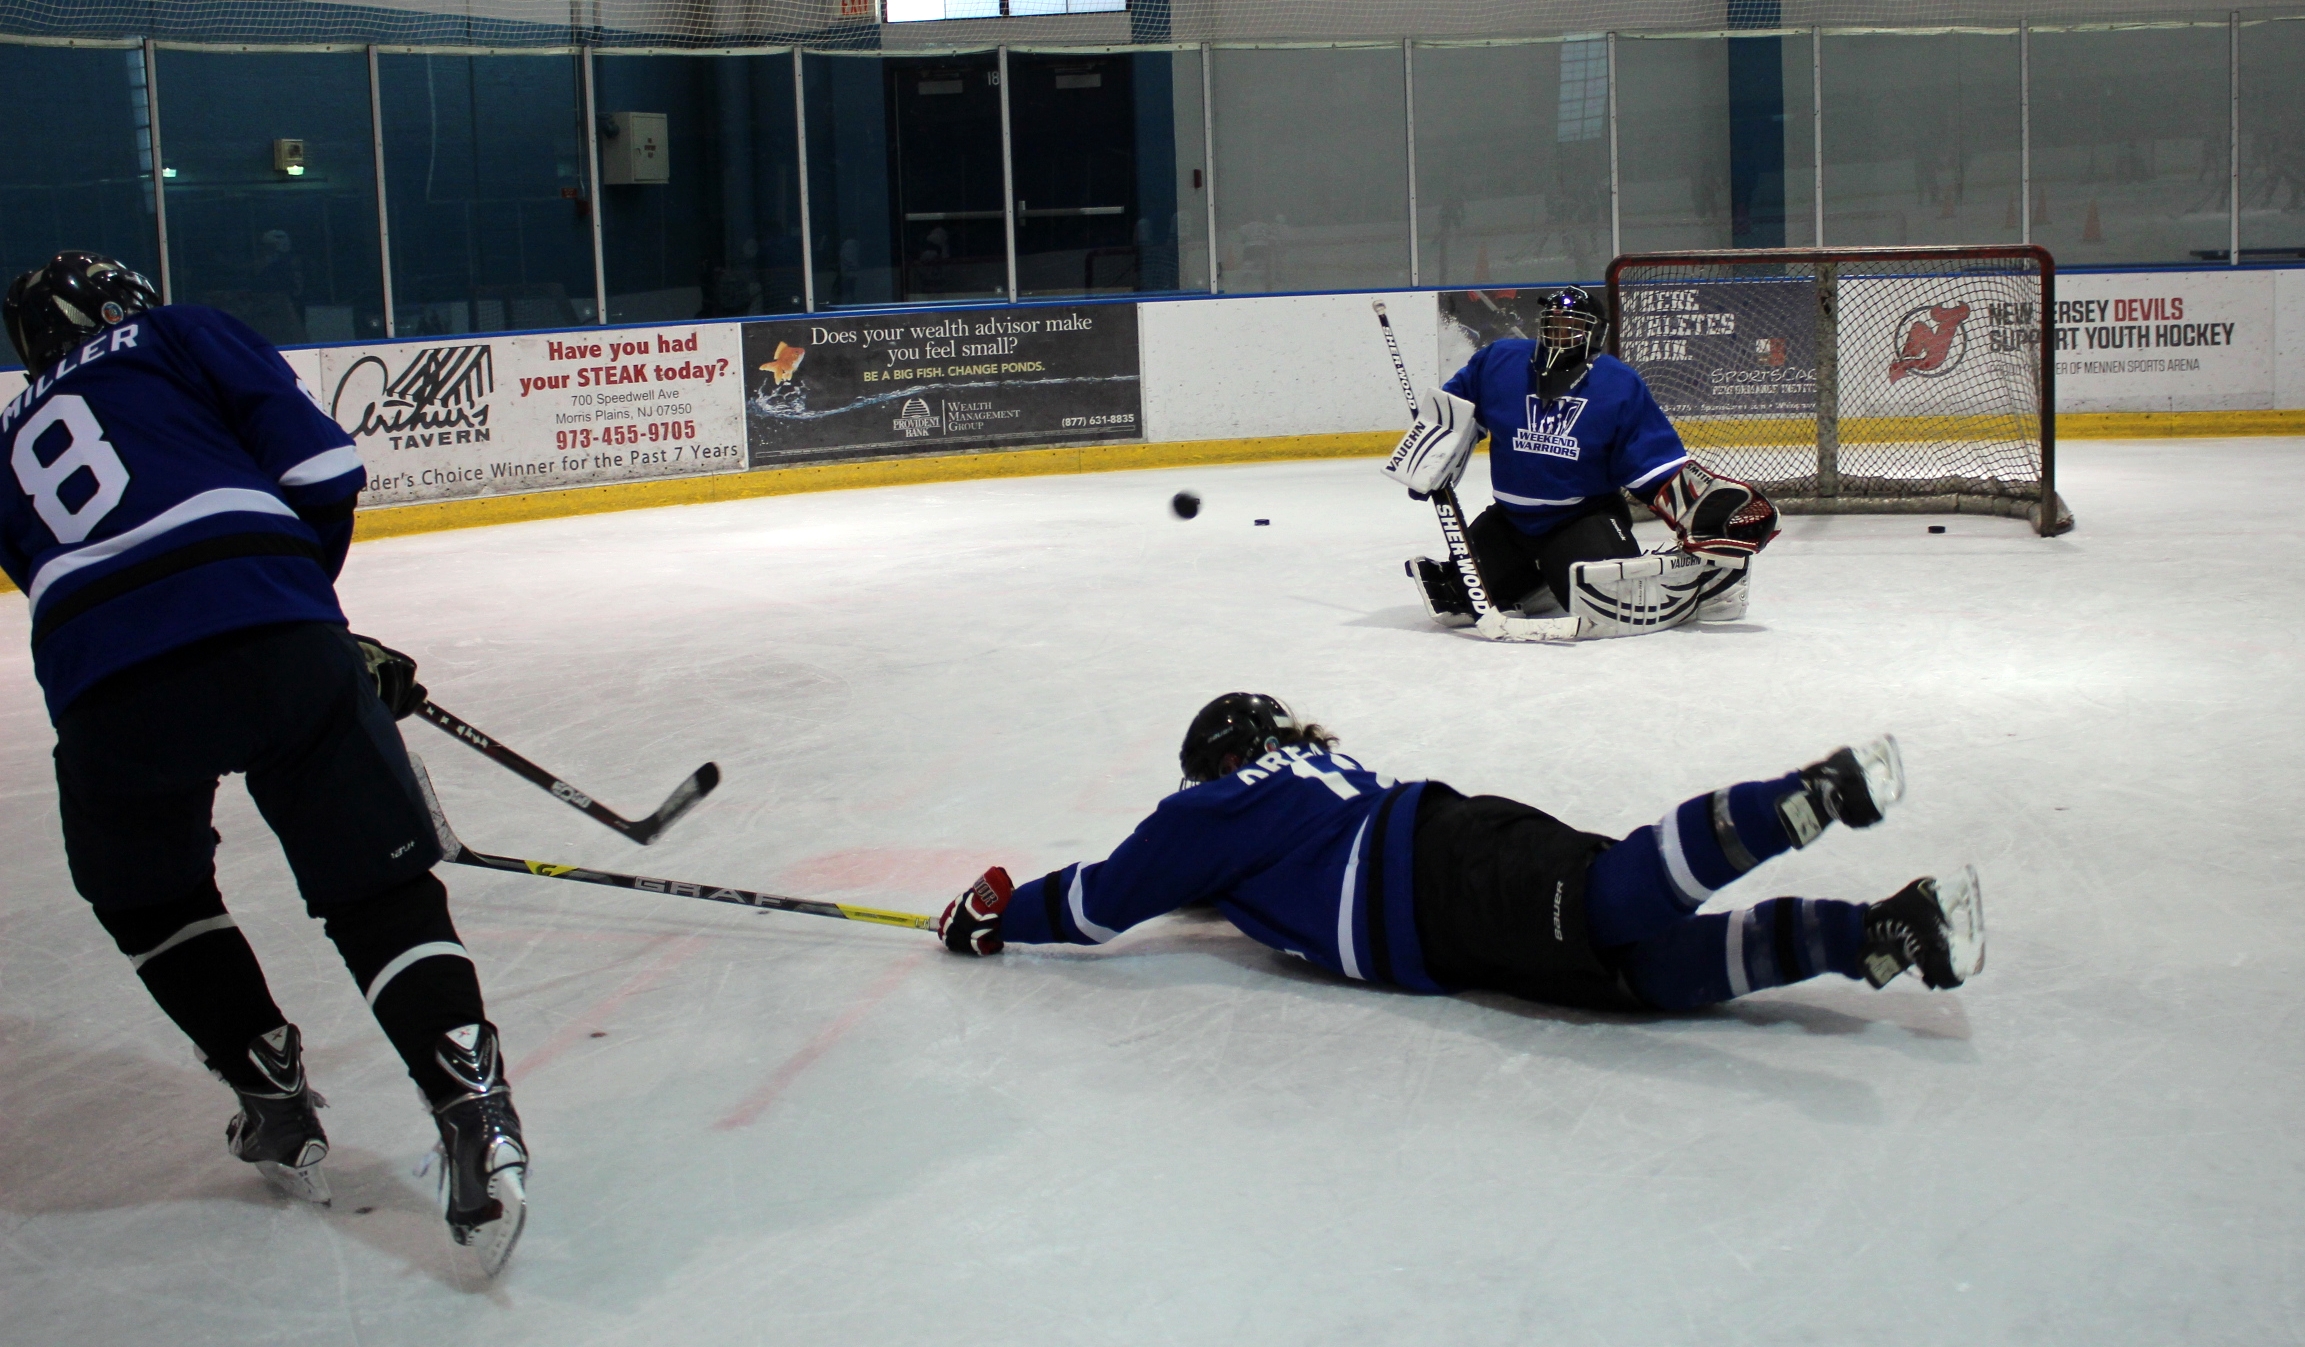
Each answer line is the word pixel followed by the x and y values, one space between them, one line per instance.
pixel 491 1241
pixel 303 1182
pixel 1884 771
pixel 1961 898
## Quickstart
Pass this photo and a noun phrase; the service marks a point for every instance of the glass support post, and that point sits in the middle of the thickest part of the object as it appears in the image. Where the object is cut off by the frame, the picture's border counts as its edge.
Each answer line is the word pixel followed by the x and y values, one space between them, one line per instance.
pixel 1616 186
pixel 159 168
pixel 1007 179
pixel 800 140
pixel 584 57
pixel 383 212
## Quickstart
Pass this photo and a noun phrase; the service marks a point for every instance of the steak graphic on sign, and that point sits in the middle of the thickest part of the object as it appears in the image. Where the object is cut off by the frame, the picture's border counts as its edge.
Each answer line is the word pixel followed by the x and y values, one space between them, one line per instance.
pixel 835 386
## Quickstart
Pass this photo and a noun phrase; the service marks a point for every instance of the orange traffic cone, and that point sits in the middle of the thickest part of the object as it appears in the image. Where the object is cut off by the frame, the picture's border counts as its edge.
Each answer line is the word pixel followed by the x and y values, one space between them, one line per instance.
pixel 2009 220
pixel 1945 210
pixel 2091 231
pixel 1481 264
pixel 2040 209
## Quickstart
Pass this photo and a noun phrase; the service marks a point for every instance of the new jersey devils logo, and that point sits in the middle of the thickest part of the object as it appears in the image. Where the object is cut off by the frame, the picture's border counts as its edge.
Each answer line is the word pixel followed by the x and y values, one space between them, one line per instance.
pixel 1930 341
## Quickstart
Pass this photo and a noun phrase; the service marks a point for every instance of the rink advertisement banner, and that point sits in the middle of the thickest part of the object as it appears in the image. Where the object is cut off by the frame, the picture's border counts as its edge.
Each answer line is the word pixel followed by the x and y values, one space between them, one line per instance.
pixel 479 415
pixel 832 386
pixel 2165 341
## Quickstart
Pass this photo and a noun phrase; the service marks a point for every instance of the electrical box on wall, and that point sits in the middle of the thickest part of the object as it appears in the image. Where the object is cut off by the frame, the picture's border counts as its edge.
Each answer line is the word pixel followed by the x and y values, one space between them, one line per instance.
pixel 633 149
pixel 288 157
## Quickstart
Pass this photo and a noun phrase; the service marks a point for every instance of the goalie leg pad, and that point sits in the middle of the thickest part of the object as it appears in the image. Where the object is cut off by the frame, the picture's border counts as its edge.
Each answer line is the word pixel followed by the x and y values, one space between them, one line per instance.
pixel 1725 595
pixel 1637 596
pixel 1443 592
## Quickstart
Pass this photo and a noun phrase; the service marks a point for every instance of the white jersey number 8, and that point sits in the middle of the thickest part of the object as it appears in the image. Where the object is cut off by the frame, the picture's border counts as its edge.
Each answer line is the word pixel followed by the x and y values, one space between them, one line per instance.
pixel 44 482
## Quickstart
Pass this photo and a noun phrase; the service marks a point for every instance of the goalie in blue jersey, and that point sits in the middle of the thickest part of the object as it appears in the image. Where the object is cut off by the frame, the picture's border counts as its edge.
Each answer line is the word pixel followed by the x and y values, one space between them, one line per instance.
pixel 1572 432
pixel 1414 885
pixel 176 514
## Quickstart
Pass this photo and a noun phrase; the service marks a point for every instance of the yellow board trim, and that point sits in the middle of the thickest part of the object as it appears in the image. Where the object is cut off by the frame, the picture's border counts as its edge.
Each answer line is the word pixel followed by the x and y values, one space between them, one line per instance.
pixel 392 521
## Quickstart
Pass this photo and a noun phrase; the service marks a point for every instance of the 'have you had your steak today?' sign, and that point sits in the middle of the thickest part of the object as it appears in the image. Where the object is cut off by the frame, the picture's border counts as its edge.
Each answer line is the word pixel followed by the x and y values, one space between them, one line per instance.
pixel 836 386
pixel 480 415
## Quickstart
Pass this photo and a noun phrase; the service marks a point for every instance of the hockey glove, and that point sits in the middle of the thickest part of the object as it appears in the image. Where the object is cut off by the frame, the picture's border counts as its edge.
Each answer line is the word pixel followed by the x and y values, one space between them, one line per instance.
pixel 971 922
pixel 1431 457
pixel 395 676
pixel 1715 516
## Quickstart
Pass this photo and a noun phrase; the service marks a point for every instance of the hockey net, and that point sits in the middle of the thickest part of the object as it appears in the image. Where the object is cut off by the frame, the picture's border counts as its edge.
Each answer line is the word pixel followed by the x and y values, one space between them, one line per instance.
pixel 1860 380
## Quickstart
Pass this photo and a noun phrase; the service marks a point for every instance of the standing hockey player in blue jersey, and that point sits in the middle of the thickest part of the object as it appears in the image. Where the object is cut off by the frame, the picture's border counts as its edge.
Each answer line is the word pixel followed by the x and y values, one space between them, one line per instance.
pixel 177 512
pixel 1570 430
pixel 1414 885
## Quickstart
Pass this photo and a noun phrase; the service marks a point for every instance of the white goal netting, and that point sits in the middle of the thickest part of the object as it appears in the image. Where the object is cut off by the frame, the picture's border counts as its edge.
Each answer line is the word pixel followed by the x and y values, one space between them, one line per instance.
pixel 1897 380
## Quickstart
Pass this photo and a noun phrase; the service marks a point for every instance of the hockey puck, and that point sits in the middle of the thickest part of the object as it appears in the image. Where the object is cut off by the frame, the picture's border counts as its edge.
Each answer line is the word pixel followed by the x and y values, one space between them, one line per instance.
pixel 1262 522
pixel 1936 528
pixel 1185 504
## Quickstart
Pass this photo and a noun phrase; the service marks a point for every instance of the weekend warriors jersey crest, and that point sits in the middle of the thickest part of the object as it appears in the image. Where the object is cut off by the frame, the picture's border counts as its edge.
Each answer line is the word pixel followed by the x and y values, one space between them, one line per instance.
pixel 1546 459
pixel 169 481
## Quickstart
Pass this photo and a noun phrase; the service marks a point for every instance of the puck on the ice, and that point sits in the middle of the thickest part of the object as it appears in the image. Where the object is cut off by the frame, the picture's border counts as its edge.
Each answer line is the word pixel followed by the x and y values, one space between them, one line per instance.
pixel 1262 522
pixel 1936 528
pixel 1185 504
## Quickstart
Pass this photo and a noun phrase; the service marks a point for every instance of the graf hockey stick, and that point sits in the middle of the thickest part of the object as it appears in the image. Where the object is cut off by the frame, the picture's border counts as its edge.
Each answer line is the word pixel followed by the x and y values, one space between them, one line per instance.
pixel 456 852
pixel 1487 620
pixel 644 831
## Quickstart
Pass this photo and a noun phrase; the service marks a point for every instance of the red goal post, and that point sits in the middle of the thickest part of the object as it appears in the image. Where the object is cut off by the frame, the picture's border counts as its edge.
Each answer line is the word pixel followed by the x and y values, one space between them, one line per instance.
pixel 1856 380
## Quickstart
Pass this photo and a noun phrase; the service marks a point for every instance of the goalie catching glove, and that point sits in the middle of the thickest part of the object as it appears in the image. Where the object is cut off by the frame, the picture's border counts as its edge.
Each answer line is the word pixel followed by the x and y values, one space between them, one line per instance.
pixel 1715 516
pixel 971 922
pixel 1431 457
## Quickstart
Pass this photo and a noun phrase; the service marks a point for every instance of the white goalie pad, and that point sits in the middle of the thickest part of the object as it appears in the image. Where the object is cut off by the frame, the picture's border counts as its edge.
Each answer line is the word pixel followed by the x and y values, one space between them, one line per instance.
pixel 1432 455
pixel 1640 594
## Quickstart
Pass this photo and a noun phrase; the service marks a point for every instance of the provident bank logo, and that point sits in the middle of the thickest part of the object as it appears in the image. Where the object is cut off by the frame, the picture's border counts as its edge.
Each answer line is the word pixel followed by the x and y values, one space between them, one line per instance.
pixel 439 397
pixel 916 421
pixel 1930 341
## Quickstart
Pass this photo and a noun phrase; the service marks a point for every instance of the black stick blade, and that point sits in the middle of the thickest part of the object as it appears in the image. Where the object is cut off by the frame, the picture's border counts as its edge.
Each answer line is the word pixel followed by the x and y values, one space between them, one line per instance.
pixel 684 797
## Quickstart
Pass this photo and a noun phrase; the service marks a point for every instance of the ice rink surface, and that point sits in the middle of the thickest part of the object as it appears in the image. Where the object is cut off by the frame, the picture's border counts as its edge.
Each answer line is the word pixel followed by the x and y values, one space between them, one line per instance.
pixel 769 1128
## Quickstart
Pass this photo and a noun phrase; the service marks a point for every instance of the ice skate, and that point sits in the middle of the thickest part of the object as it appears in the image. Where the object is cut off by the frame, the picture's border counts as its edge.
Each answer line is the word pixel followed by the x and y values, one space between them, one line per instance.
pixel 1442 590
pixel 1854 786
pixel 1937 925
pixel 483 1160
pixel 278 1130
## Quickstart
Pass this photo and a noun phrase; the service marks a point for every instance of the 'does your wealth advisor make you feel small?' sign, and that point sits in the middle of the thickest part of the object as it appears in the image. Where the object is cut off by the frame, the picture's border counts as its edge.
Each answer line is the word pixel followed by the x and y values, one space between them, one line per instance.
pixel 834 386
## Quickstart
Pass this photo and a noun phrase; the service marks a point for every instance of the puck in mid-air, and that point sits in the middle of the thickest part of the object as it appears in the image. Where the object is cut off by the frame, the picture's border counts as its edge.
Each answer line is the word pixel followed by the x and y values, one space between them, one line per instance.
pixel 1185 504
pixel 1262 522
pixel 1936 528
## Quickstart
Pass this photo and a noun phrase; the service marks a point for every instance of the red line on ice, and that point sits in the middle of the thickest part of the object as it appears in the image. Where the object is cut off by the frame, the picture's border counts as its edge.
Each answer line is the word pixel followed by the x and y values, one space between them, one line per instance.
pixel 576 1030
pixel 757 1103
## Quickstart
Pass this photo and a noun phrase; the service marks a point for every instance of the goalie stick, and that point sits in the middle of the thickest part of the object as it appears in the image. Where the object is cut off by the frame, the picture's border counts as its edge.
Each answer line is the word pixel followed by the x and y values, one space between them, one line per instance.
pixel 1488 621
pixel 457 853
pixel 643 831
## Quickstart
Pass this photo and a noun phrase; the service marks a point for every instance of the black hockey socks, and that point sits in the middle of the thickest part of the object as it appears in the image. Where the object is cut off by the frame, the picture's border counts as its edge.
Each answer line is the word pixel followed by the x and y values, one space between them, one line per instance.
pixel 403 952
pixel 198 966
pixel 1723 955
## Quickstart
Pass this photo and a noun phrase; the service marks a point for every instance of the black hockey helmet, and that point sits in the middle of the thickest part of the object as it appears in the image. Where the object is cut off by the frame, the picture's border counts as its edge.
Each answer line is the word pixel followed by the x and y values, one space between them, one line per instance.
pixel 51 309
pixel 1571 330
pixel 1242 725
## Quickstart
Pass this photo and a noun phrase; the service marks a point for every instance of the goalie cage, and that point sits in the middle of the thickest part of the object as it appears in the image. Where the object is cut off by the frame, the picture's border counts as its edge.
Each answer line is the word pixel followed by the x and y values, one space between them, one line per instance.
pixel 1856 380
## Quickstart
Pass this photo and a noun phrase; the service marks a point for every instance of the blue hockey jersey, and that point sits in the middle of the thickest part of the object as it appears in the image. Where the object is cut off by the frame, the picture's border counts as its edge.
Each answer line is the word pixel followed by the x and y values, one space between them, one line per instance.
pixel 1308 852
pixel 1547 459
pixel 171 481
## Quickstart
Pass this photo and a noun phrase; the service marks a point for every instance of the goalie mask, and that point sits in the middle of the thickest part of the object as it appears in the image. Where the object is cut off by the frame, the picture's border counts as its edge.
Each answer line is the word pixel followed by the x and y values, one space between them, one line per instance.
pixel 1241 725
pixel 1570 333
pixel 51 309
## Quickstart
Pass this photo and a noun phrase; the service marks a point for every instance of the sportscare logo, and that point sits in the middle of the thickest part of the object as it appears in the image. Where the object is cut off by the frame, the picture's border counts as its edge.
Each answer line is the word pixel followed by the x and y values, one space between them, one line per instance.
pixel 1930 341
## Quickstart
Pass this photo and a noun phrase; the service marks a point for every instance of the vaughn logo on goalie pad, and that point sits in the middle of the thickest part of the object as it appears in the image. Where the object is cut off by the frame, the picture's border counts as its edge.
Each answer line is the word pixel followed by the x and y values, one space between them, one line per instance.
pixel 1551 428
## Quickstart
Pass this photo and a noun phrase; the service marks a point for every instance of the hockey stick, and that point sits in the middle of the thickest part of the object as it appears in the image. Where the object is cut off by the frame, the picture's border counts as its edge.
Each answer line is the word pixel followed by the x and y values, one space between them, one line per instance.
pixel 456 852
pixel 644 831
pixel 1452 517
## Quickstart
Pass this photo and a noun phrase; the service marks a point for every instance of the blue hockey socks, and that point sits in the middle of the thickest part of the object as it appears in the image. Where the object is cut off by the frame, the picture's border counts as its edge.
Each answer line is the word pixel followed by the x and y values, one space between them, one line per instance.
pixel 1720 955
pixel 1654 879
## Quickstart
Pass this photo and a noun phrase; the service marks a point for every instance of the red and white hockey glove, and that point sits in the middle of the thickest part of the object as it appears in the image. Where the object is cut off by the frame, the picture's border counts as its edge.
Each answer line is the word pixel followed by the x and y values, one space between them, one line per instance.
pixel 1715 516
pixel 971 922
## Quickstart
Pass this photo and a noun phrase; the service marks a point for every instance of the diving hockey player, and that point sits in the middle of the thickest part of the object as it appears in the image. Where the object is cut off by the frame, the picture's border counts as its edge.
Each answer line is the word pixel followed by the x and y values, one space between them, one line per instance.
pixel 1412 884
pixel 177 512
pixel 1569 428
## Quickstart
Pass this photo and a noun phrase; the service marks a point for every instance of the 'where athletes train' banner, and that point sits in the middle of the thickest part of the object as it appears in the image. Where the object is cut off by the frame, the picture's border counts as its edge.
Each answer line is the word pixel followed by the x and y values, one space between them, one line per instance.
pixel 840 385
pixel 479 415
